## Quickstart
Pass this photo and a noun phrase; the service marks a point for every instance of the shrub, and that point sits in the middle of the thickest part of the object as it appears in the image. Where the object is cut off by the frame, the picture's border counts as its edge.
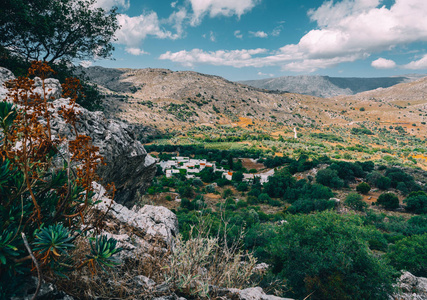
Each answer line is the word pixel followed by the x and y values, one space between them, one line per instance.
pixel 264 198
pixel 383 183
pixel 326 255
pixel 354 201
pixel 43 203
pixel 363 188
pixel 329 177
pixel 237 176
pixel 201 262
pixel 409 254
pixel 227 193
pixel 388 201
pixel 242 187
pixel 416 202
pixel 401 186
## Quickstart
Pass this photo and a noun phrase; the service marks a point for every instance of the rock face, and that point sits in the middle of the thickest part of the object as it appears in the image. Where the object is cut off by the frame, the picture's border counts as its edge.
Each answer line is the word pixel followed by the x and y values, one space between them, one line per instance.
pixel 47 291
pixel 128 164
pixel 255 293
pixel 411 288
pixel 151 221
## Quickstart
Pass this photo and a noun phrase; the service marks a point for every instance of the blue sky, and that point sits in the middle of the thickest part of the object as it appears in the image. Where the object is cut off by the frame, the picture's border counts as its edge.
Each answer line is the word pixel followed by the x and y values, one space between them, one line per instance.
pixel 255 39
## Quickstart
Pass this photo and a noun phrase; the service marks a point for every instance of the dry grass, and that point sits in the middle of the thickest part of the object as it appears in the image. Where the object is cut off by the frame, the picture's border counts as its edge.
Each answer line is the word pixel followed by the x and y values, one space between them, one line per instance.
pixel 201 265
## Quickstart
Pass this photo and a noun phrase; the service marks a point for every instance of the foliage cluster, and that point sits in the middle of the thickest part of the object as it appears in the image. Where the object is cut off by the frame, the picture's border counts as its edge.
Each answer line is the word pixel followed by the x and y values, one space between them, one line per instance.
pixel 46 195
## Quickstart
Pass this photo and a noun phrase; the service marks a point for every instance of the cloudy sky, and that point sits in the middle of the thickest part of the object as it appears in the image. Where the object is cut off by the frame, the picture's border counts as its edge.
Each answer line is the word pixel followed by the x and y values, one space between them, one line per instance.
pixel 255 39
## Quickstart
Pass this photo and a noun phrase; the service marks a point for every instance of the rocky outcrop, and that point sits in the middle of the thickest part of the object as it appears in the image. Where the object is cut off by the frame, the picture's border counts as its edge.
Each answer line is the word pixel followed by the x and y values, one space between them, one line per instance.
pixel 254 293
pixel 411 287
pixel 149 220
pixel 127 163
pixel 47 291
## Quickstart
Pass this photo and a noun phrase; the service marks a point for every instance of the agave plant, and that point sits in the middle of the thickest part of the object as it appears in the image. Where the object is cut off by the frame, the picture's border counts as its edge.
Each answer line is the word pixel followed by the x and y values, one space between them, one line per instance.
pixel 7 249
pixel 53 240
pixel 102 252
pixel 8 114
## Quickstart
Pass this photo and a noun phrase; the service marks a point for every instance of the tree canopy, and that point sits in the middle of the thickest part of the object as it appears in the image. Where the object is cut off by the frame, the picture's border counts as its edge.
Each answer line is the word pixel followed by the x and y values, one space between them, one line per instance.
pixel 53 30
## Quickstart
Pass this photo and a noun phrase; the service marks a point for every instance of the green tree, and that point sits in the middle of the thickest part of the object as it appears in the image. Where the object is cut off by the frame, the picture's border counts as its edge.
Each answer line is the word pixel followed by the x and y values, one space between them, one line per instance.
pixel 329 177
pixel 237 176
pixel 416 202
pixel 363 188
pixel 410 254
pixel 388 201
pixel 278 184
pixel 52 30
pixel 354 201
pixel 383 183
pixel 327 255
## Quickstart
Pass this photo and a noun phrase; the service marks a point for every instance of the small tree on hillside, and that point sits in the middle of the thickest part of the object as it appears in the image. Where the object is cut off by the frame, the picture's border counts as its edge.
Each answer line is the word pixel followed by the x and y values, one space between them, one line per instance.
pixel 363 188
pixel 388 201
pixel 354 201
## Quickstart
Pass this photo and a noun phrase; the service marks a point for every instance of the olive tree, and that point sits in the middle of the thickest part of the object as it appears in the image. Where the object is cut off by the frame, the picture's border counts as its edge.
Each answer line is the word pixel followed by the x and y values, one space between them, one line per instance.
pixel 56 30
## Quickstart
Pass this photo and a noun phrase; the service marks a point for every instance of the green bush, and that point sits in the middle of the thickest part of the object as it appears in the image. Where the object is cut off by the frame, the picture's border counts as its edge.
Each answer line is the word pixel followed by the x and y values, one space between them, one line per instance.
pixel 330 178
pixel 410 254
pixel 416 202
pixel 383 183
pixel 363 188
pixel 264 198
pixel 388 201
pixel 40 202
pixel 326 255
pixel 354 201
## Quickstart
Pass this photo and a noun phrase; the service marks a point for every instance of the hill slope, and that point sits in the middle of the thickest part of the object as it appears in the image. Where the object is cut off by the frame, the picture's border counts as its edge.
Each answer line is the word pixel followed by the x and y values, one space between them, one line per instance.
pixel 325 86
pixel 169 99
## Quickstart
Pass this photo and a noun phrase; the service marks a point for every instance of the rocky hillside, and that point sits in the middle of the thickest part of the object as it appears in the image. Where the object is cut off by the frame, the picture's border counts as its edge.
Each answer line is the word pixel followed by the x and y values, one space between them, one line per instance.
pixel 127 163
pixel 168 99
pixel 325 86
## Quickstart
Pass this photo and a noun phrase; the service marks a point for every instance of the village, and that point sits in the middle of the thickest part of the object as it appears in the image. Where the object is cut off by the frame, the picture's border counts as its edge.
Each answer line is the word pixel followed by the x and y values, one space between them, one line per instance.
pixel 191 167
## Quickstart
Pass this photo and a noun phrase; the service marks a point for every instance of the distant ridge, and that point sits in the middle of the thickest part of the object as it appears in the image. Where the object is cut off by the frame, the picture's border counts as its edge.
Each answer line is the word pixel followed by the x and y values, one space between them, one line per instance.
pixel 326 87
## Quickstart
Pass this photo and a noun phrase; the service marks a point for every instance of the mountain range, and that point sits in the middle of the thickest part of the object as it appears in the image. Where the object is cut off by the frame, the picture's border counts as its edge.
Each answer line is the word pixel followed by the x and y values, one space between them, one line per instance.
pixel 166 100
pixel 326 87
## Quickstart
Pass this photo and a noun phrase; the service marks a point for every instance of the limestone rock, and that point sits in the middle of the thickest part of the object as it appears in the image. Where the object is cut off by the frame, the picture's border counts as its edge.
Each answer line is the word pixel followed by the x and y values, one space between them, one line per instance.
pixel 52 86
pixel 411 288
pixel 154 221
pixel 255 293
pixel 5 75
pixel 47 291
pixel 144 281
pixel 128 164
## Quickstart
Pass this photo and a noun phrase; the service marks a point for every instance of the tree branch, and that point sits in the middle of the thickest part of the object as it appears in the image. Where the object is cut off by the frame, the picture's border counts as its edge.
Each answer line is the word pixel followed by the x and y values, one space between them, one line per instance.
pixel 39 274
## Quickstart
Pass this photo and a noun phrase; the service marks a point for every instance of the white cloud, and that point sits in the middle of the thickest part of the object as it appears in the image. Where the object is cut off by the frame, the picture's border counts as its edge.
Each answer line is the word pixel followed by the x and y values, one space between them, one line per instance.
pixel 108 4
pixel 382 63
pixel 173 4
pixel 135 51
pixel 176 19
pixel 238 34
pixel 214 8
pixel 235 58
pixel 417 64
pixel 264 74
pixel 85 63
pixel 276 31
pixel 212 36
pixel 134 30
pixel 260 34
pixel 347 31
